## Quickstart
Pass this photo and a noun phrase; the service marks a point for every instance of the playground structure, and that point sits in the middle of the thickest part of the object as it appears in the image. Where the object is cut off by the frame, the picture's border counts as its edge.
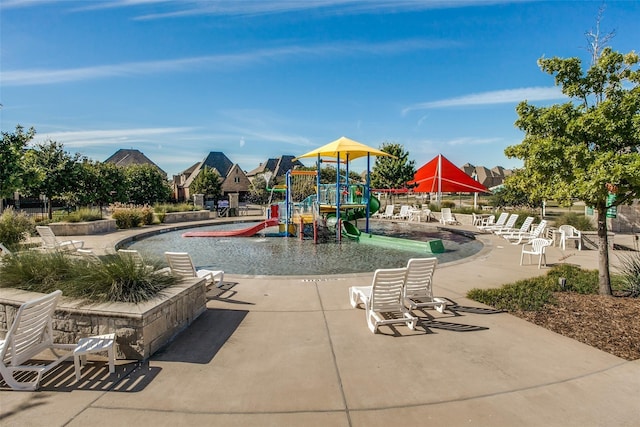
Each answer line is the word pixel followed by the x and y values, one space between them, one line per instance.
pixel 324 212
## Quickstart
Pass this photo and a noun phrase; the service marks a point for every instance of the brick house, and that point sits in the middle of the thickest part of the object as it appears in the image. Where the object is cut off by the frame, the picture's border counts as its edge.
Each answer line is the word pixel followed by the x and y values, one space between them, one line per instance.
pixel 234 180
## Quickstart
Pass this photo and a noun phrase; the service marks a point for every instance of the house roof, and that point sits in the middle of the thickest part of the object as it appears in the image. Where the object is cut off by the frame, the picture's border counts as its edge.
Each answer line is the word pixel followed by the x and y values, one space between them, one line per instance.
pixel 127 157
pixel 218 161
pixel 278 166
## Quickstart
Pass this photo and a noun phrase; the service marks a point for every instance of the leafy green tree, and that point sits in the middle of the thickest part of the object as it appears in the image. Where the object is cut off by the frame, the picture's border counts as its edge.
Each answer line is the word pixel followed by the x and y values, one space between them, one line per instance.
pixel 389 172
pixel 209 183
pixel 258 190
pixel 514 194
pixel 12 150
pixel 587 148
pixel 146 185
pixel 52 171
pixel 328 175
pixel 101 183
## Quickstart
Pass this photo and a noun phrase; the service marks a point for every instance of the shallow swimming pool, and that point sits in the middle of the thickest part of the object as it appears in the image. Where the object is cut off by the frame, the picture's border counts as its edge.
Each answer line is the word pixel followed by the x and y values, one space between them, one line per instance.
pixel 279 256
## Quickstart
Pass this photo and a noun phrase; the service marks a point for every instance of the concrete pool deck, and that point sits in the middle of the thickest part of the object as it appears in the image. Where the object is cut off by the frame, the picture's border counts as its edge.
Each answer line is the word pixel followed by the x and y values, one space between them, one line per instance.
pixel 291 351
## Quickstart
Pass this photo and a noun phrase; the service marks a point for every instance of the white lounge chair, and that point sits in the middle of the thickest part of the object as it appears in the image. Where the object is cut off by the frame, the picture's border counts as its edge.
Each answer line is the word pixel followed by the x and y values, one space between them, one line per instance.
pixel 446 217
pixel 502 219
pixel 181 265
pixel 569 232
pixel 88 255
pixel 50 242
pixel 508 225
pixel 524 228
pixel 487 220
pixel 520 236
pixel 383 300
pixel 418 288
pixel 4 251
pixel 29 335
pixel 387 214
pixel 404 212
pixel 536 247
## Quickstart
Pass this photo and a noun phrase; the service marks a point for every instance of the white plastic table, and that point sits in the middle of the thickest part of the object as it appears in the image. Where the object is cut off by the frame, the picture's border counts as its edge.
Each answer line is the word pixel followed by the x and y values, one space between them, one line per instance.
pixel 95 344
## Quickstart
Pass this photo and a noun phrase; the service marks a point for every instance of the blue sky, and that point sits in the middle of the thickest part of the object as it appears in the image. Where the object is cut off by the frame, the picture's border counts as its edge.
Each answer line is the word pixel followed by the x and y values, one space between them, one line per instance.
pixel 258 79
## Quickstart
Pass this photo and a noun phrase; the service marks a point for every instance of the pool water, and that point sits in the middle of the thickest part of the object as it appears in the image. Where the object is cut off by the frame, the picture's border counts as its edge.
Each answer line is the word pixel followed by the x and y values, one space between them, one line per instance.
pixel 290 256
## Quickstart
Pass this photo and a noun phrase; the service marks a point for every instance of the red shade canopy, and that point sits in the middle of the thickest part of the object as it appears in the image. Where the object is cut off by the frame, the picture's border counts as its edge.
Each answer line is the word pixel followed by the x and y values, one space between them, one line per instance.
pixel 441 176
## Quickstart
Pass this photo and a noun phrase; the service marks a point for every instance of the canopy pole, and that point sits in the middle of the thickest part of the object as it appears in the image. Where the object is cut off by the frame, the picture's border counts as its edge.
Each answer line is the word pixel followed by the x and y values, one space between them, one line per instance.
pixel 439 179
pixel 367 194
pixel 338 197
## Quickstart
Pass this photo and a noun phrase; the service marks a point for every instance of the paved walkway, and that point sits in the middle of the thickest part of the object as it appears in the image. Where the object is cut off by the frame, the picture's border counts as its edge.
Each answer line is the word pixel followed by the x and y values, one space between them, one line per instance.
pixel 291 351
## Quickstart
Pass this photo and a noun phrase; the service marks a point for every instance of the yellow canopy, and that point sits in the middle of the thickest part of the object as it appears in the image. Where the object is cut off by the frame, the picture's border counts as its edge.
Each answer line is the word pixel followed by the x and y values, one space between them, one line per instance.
pixel 343 146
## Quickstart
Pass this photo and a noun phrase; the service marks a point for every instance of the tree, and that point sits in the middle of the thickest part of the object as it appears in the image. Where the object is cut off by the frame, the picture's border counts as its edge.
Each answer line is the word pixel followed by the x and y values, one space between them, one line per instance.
pixel 258 190
pixel 209 183
pixel 12 149
pixel 589 147
pixel 389 172
pixel 101 183
pixel 52 171
pixel 146 185
pixel 514 193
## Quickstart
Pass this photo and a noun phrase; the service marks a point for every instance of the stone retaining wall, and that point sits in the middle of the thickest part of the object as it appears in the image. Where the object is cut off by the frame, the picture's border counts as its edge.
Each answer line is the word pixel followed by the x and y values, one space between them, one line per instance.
pixel 172 217
pixel 141 329
pixel 83 228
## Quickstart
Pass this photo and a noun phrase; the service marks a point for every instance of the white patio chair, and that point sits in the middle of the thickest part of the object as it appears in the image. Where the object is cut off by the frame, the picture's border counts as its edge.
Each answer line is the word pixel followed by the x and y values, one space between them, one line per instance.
pixel 446 217
pixel 50 242
pixel 487 220
pixel 404 212
pixel 569 232
pixel 426 213
pixel 502 219
pixel 181 265
pixel 418 288
pixel 536 247
pixel 520 236
pixel 29 335
pixel 476 219
pixel 383 300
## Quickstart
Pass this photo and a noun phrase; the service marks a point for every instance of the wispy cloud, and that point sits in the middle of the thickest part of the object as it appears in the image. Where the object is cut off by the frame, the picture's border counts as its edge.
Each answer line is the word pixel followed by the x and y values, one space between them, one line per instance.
pixel 184 8
pixel 89 138
pixel 508 96
pixel 472 141
pixel 55 76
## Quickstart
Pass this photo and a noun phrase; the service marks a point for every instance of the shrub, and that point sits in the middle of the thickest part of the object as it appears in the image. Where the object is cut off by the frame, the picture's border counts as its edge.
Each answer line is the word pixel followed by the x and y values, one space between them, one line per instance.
pixel 578 280
pixel 112 278
pixel 128 217
pixel 630 274
pixel 580 222
pixel 448 204
pixel 179 207
pixel 36 271
pixel 14 227
pixel 82 215
pixel 146 215
pixel 532 294
pixel 527 295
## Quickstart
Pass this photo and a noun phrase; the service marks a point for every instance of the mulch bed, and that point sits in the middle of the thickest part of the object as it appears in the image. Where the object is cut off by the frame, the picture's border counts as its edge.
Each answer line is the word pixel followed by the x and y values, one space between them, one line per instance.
pixel 611 324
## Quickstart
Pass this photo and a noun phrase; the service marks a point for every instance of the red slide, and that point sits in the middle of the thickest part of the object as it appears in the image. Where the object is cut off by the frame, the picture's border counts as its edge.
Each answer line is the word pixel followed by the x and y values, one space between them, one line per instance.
pixel 243 232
